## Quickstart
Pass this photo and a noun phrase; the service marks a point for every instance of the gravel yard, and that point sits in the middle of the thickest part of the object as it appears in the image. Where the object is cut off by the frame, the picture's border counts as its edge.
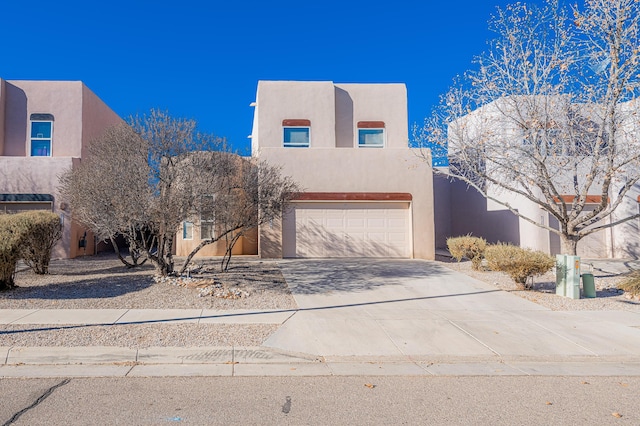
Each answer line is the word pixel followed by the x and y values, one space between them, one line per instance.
pixel 608 297
pixel 103 283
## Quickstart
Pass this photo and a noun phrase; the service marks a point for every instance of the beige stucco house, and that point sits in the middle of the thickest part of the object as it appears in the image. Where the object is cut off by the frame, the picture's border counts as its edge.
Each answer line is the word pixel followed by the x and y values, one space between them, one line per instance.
pixel 366 193
pixel 44 129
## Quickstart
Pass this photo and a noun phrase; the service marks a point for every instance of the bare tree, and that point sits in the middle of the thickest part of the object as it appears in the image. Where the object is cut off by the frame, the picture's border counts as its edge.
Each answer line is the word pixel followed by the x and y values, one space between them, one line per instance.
pixel 550 115
pixel 143 180
pixel 256 193
pixel 109 186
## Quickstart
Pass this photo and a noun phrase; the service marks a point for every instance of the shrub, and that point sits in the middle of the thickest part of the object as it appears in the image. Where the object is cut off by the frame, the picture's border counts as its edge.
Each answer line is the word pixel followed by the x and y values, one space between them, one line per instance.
pixel 631 283
pixel 517 262
pixel 42 230
pixel 11 240
pixel 467 246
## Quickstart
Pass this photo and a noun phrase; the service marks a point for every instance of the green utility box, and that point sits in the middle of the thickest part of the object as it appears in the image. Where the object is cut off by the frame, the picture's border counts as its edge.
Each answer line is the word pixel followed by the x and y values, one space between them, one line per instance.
pixel 568 276
pixel 588 285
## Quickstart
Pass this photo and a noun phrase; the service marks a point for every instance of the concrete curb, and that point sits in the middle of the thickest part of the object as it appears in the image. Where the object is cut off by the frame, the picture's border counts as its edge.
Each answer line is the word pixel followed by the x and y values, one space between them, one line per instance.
pixel 260 361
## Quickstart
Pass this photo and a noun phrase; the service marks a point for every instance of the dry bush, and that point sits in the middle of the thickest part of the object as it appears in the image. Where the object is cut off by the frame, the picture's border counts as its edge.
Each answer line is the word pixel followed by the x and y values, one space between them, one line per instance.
pixel 11 239
pixel 472 248
pixel 519 263
pixel 631 284
pixel 42 230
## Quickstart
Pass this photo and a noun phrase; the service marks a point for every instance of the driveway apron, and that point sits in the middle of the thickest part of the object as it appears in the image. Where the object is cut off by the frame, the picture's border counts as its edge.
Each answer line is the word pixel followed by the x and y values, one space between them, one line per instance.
pixel 382 307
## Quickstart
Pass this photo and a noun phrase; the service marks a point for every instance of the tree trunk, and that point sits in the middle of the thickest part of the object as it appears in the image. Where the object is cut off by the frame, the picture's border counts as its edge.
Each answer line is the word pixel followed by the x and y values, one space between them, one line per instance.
pixel 569 244
pixel 114 244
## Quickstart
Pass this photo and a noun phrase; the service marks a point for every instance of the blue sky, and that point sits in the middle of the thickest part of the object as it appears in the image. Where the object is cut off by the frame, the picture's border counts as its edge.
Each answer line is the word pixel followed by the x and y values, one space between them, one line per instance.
pixel 203 59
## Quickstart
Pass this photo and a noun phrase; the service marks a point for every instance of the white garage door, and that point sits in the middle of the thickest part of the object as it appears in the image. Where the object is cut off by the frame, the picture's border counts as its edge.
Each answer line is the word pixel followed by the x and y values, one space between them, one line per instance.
pixel 338 229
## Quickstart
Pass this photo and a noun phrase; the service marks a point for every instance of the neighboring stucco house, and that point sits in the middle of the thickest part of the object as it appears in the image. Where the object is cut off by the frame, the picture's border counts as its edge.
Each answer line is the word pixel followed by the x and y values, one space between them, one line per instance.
pixel 44 129
pixel 210 222
pixel 366 193
pixel 462 210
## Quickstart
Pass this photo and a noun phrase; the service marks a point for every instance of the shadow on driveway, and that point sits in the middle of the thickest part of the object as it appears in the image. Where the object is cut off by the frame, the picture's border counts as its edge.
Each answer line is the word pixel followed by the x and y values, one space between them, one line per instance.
pixel 311 276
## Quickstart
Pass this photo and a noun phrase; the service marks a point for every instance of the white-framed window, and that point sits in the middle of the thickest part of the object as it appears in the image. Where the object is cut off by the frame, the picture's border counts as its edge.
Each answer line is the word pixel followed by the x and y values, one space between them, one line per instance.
pixel 371 134
pixel 187 230
pixel 207 218
pixel 296 133
pixel 550 140
pixel 41 135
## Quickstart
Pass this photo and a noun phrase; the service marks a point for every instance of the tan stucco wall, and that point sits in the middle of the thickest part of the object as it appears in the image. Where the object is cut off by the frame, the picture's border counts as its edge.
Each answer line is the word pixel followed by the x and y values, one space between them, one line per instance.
pixel 358 170
pixel 280 100
pixel 333 162
pixel 372 102
pixel 334 111
pixel 246 245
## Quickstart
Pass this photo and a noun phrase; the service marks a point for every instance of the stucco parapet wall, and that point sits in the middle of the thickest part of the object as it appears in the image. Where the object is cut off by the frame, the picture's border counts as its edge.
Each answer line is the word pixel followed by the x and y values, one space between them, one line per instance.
pixel 355 169
pixel 32 174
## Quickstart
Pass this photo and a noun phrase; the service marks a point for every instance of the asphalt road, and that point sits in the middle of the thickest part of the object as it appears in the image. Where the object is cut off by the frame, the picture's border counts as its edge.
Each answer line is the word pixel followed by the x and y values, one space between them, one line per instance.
pixel 322 400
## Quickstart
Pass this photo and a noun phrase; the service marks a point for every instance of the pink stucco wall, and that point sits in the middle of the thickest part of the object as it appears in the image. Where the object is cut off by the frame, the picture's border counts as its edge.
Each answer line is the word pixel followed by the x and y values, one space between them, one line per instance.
pixel 96 116
pixel 79 116
pixel 2 114
pixel 37 175
pixel 63 99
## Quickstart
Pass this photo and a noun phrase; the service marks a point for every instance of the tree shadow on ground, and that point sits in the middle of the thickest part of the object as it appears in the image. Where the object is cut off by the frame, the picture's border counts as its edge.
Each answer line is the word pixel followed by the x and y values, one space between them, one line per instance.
pixel 258 276
pixel 94 288
pixel 311 276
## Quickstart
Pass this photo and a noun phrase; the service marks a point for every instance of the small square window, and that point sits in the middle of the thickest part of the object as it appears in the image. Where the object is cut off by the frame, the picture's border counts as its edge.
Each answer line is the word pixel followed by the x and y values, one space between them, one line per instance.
pixel 296 137
pixel 187 230
pixel 371 138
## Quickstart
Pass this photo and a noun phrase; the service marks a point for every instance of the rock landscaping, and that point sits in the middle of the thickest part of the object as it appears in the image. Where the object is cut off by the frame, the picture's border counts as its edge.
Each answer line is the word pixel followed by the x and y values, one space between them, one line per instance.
pixel 101 282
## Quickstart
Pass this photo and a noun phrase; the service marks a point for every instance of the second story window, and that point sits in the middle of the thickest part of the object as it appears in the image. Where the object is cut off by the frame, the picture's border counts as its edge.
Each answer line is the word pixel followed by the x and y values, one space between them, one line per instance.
pixel 41 135
pixel 296 133
pixel 371 134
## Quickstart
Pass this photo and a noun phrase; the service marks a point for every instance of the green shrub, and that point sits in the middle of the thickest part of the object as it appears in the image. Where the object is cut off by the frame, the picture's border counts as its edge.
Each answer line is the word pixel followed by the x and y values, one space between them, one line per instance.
pixel 42 230
pixel 519 263
pixel 631 283
pixel 11 241
pixel 467 246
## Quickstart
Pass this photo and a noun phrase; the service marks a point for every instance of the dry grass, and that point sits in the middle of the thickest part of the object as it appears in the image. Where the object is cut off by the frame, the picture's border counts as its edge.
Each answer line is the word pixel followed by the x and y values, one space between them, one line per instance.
pixel 631 283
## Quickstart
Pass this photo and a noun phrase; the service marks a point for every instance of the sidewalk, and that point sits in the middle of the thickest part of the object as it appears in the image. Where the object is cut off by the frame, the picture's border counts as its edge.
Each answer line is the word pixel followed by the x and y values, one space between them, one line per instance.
pixel 357 317
pixel 141 316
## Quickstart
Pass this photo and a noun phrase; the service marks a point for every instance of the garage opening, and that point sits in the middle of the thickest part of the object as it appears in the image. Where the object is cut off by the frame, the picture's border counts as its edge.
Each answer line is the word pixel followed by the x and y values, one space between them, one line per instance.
pixel 325 229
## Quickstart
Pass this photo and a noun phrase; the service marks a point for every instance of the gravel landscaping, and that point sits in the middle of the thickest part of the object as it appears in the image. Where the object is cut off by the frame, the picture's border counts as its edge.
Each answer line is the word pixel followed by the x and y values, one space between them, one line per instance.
pixel 608 297
pixel 102 282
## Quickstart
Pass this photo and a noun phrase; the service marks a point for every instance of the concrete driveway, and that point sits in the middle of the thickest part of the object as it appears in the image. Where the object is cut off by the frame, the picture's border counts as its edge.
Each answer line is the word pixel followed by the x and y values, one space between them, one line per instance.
pixel 421 309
